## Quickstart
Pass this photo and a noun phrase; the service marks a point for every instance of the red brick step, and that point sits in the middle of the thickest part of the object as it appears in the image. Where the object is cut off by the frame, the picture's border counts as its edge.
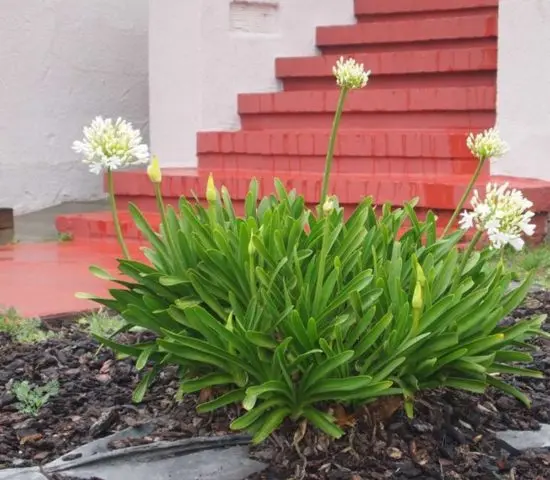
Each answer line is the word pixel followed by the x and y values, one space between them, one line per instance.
pixel 413 34
pixel 439 192
pixel 452 107
pixel 434 192
pixel 362 151
pixel 428 68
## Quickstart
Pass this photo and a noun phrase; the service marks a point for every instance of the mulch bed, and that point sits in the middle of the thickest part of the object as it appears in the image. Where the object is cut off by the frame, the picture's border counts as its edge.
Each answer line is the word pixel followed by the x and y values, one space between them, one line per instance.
pixel 451 437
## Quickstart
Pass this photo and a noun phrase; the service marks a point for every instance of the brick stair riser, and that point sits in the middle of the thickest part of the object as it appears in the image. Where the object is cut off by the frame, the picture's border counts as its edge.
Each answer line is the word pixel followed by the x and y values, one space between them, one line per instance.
pixel 417 80
pixel 414 143
pixel 410 48
pixel 348 188
pixel 422 120
pixel 402 101
pixel 226 163
pixel 432 68
pixel 465 107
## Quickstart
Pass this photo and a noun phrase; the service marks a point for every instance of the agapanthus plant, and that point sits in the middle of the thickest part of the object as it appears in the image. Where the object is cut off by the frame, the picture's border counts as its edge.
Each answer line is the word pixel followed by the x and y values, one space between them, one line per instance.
pixel 111 145
pixel 284 311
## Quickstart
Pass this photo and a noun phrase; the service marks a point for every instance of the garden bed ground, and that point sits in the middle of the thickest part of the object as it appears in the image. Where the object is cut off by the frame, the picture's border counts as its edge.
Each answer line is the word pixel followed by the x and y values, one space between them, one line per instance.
pixel 451 437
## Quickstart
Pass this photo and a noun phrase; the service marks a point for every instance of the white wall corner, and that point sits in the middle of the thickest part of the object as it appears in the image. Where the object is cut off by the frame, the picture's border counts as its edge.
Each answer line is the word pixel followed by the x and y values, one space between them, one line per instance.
pixel 523 100
pixel 203 53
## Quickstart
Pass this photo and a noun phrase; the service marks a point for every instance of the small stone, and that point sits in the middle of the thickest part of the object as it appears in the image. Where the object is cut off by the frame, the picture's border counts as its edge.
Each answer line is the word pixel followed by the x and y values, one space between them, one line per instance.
pixel 104 422
pixel 40 456
pixel 103 377
pixel 421 427
pixel 506 403
pixel 526 440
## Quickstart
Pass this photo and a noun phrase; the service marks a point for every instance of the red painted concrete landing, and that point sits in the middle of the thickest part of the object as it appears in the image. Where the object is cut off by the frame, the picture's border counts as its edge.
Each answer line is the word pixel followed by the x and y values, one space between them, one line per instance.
pixel 41 280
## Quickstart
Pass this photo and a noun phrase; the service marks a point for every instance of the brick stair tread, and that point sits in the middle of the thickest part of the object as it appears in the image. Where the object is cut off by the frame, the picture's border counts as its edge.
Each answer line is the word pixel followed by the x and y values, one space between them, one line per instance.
pixel 377 7
pixel 389 100
pixel 414 143
pixel 412 30
pixel 483 58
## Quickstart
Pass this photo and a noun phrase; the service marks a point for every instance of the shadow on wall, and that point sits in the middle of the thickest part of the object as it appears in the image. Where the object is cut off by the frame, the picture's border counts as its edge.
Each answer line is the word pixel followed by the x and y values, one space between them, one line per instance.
pixel 68 62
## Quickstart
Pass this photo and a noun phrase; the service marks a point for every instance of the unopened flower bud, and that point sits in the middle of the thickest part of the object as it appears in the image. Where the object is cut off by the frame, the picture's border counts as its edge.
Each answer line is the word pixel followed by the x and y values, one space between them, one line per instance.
pixel 153 170
pixel 418 300
pixel 421 278
pixel 329 205
pixel 251 247
pixel 211 192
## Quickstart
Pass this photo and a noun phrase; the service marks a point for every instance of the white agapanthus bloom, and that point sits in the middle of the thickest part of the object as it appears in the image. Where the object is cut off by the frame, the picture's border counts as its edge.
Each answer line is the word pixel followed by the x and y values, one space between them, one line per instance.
pixel 109 145
pixel 504 215
pixel 487 144
pixel 350 74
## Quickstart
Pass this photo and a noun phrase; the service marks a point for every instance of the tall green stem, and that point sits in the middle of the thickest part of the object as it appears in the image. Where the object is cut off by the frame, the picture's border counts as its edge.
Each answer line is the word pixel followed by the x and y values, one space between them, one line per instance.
pixel 160 204
pixel 465 197
pixel 114 211
pixel 332 143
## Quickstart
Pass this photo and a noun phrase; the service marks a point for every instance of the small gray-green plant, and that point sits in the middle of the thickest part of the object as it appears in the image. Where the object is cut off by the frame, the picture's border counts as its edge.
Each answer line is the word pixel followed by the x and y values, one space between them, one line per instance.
pixel 21 329
pixel 65 237
pixel 103 324
pixel 31 398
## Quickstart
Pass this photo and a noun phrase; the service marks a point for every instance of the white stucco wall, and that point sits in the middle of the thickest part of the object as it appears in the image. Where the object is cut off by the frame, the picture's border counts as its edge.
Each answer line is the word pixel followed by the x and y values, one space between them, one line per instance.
pixel 204 52
pixel 523 111
pixel 63 62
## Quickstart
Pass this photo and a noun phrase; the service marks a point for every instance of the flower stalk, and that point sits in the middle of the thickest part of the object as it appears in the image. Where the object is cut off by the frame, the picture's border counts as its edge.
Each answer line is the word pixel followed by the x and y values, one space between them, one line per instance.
pixel 332 142
pixel 349 75
pixel 114 212
pixel 464 197
pixel 483 146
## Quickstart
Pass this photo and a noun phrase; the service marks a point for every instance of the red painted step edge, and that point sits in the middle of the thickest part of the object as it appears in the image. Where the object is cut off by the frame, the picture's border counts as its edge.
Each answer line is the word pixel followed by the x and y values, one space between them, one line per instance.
pixel 392 63
pixel 376 7
pixel 407 31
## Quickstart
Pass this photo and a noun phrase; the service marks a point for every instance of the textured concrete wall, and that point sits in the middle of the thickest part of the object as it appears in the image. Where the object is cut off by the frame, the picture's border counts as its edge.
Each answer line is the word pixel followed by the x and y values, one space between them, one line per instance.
pixel 523 109
pixel 64 62
pixel 204 52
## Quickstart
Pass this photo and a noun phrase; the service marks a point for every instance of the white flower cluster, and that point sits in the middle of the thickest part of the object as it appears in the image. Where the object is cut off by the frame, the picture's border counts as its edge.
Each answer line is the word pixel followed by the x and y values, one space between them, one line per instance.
pixel 504 215
pixel 487 144
pixel 109 145
pixel 350 74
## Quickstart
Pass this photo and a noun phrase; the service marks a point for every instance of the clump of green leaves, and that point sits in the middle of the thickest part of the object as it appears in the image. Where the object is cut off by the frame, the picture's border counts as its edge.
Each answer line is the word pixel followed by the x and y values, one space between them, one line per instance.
pixel 282 311
pixel 31 398
pixel 21 329
pixel 103 323
pixel 532 259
